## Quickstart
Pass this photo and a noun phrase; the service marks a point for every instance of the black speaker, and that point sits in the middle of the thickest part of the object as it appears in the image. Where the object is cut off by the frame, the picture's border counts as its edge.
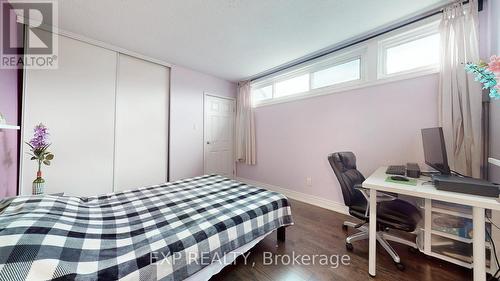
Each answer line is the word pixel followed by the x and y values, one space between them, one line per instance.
pixel 412 170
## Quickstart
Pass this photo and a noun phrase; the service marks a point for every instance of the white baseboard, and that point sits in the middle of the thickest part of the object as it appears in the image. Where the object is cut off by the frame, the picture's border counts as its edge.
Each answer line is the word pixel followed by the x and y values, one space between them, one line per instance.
pixel 299 196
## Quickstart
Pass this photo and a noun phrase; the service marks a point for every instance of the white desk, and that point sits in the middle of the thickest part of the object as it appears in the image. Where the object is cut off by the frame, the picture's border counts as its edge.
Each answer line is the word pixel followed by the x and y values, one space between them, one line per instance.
pixel 376 182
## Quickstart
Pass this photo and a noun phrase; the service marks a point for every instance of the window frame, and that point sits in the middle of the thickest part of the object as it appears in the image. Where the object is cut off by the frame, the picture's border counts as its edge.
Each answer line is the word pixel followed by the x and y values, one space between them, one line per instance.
pixel 298 74
pixel 337 63
pixel 259 86
pixel 371 54
pixel 310 68
pixel 400 39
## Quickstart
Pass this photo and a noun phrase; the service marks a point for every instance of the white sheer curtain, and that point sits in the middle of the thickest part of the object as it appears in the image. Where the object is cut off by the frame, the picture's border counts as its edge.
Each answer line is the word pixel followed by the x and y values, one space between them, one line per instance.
pixel 245 125
pixel 460 96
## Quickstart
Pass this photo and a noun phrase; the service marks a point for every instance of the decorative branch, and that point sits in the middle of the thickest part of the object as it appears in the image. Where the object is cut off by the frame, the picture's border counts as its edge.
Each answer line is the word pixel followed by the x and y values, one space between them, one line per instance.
pixel 487 74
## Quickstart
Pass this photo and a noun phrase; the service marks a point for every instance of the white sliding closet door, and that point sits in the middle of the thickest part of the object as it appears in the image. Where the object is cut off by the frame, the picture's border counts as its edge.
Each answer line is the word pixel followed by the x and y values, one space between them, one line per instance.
pixel 76 103
pixel 141 123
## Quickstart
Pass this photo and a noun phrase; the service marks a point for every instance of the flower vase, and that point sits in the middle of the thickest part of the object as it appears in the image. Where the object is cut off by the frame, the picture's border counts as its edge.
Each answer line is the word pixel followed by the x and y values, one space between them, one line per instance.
pixel 38 184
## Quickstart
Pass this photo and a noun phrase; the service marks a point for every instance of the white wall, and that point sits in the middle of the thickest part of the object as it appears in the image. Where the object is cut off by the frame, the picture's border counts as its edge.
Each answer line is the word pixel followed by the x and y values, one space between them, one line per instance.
pixel 186 118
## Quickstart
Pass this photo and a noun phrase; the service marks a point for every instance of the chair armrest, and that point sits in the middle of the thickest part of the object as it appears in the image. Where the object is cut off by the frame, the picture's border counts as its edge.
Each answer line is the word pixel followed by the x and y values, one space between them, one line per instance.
pixel 386 196
pixel 381 196
pixel 363 191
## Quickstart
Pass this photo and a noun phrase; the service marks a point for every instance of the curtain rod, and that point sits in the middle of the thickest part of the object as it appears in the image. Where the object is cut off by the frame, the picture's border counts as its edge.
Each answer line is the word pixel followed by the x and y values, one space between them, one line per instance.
pixel 363 38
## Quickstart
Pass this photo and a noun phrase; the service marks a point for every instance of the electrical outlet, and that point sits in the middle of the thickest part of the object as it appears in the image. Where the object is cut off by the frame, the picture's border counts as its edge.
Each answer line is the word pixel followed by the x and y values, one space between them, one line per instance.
pixel 309 181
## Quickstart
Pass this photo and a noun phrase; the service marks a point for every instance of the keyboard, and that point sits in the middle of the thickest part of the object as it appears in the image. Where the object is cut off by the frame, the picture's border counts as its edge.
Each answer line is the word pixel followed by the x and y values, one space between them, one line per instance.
pixel 396 170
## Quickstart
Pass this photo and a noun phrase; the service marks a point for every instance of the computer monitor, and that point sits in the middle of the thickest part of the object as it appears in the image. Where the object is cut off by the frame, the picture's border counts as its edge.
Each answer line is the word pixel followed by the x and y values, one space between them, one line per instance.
pixel 435 149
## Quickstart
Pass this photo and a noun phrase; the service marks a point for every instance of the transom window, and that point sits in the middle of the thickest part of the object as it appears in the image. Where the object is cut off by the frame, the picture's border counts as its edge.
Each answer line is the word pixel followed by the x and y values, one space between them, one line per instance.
pixel 292 86
pixel 401 54
pixel 412 52
pixel 337 74
pixel 315 78
pixel 262 93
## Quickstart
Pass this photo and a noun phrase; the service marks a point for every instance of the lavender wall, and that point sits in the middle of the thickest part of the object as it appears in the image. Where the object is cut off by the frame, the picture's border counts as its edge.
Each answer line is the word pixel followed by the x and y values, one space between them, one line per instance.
pixel 381 124
pixel 186 118
pixel 8 138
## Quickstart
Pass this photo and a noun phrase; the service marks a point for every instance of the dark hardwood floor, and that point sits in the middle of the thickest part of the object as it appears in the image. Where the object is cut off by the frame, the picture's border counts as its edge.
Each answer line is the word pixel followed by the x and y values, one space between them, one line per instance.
pixel 319 231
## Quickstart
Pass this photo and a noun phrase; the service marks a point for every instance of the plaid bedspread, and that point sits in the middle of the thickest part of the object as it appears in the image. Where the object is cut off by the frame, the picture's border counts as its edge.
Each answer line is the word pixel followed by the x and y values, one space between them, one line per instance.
pixel 164 232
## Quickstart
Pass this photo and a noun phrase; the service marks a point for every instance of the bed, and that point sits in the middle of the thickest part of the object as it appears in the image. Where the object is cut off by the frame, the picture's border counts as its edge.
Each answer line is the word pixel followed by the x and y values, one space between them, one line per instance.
pixel 172 231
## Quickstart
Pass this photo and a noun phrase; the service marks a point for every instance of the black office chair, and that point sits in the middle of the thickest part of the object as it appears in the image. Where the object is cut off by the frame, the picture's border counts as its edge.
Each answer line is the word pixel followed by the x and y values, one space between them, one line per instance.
pixel 392 213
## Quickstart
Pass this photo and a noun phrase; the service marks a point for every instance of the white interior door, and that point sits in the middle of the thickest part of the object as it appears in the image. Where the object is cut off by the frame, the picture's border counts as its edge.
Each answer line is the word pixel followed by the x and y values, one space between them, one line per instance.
pixel 219 135
pixel 142 94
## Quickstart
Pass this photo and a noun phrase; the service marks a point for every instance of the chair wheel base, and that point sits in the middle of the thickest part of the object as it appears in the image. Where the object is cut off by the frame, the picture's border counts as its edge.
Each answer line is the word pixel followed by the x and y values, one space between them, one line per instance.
pixel 349 247
pixel 400 266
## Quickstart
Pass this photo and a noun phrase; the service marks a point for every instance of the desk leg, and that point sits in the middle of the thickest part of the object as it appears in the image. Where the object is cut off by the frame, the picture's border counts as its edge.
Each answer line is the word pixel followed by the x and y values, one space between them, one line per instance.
pixel 478 244
pixel 373 233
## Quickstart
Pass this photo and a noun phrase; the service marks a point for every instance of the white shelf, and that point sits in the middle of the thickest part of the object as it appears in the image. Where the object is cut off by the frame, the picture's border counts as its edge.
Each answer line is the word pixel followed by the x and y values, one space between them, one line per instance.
pixel 459 262
pixel 451 236
pixel 452 213
pixel 457 238
pixel 458 212
pixel 9 127
pixel 450 259
pixel 441 244
pixel 454 237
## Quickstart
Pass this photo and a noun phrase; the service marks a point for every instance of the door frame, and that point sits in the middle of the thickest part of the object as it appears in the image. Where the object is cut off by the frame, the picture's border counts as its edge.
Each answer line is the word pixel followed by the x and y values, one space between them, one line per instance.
pixel 233 100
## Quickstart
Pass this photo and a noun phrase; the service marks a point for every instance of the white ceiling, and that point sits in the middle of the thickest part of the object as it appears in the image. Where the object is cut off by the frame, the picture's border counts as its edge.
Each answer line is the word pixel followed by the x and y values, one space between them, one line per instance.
pixel 231 39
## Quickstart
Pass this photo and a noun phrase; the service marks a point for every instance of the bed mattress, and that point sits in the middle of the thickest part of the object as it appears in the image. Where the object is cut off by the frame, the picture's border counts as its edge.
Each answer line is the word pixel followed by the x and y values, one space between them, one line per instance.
pixel 163 232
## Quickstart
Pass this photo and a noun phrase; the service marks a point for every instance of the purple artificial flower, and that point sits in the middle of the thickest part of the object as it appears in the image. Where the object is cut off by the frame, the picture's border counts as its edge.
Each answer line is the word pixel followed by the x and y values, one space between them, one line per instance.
pixel 41 136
